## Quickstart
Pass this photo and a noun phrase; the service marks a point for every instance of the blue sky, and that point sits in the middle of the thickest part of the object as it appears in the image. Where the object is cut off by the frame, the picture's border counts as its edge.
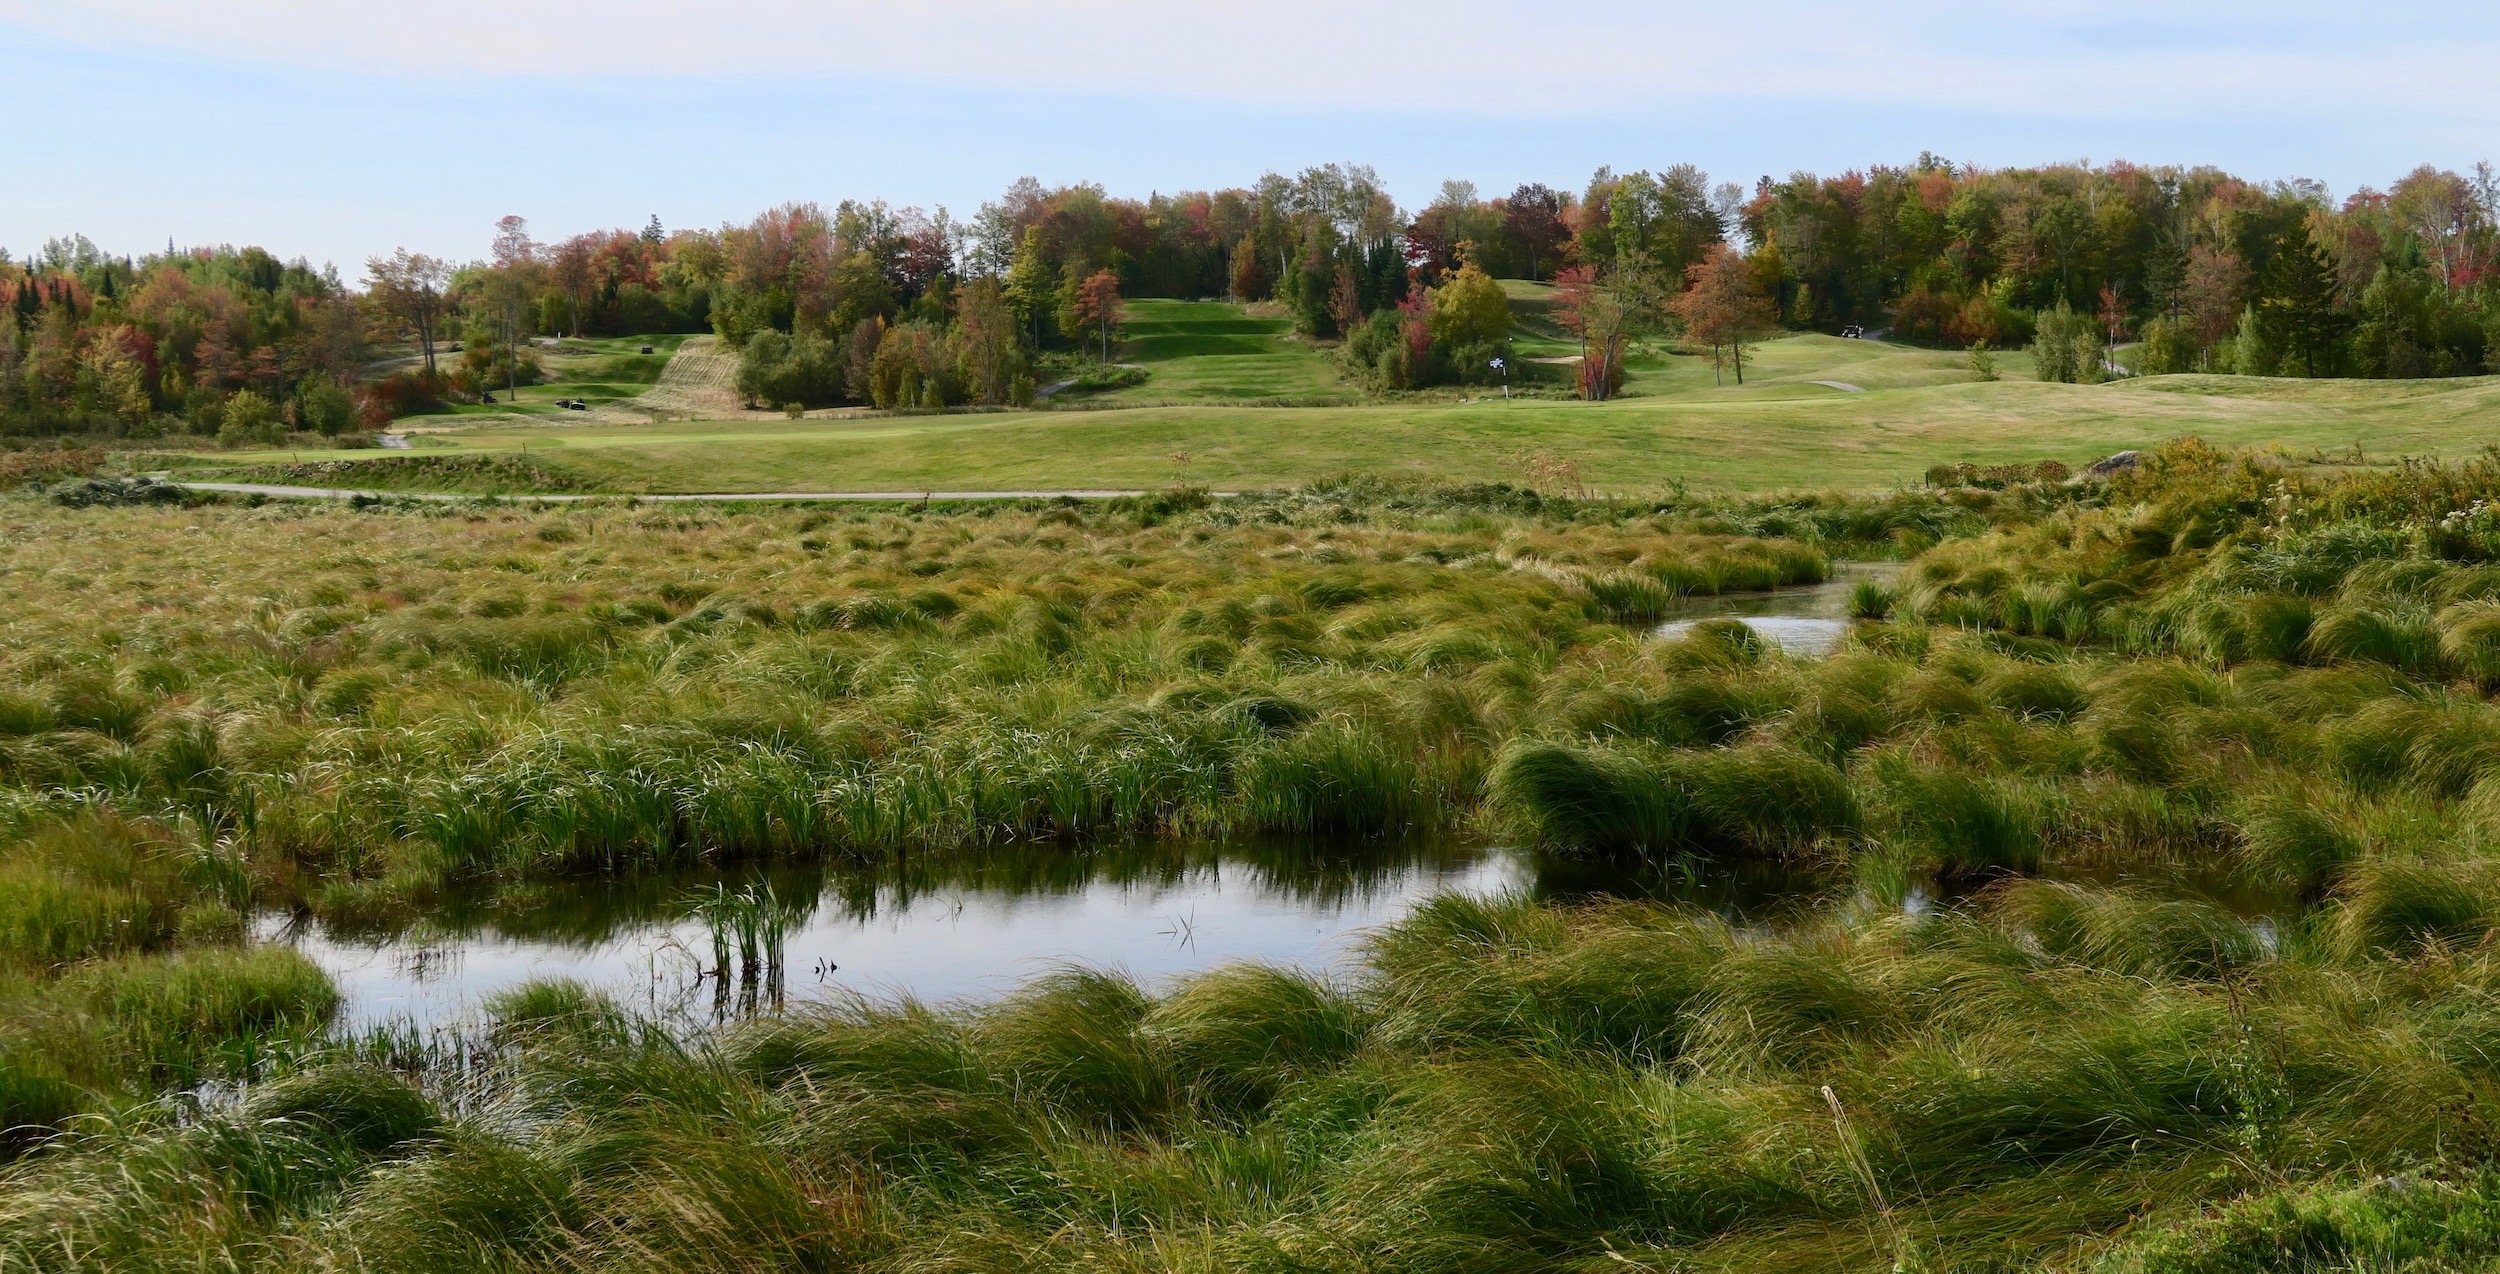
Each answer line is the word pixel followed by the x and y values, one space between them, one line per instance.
pixel 337 131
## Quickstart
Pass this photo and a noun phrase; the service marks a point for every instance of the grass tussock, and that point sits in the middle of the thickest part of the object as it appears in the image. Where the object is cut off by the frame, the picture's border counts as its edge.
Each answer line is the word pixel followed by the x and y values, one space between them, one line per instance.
pixel 2166 811
pixel 2055 1070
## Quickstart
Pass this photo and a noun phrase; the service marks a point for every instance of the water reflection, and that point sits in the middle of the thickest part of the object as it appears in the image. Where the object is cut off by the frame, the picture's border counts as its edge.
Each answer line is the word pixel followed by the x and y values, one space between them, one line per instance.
pixel 1809 621
pixel 964 926
pixel 934 927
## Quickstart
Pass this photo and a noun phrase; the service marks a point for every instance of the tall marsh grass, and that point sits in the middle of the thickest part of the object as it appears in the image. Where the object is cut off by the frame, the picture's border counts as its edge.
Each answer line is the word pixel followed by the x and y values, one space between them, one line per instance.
pixel 2055 1073
pixel 2172 807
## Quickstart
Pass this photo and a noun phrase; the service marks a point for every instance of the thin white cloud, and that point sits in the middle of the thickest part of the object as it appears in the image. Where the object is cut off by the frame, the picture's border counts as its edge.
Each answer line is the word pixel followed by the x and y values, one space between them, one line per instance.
pixel 2112 59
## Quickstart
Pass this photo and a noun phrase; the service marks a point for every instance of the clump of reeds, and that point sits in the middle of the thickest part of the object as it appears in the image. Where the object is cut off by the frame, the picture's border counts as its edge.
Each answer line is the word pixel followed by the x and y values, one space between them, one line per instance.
pixel 751 923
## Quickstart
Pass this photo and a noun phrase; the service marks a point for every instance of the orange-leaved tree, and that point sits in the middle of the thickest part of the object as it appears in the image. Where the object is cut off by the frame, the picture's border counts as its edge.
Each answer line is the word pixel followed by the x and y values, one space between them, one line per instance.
pixel 1721 307
pixel 1098 306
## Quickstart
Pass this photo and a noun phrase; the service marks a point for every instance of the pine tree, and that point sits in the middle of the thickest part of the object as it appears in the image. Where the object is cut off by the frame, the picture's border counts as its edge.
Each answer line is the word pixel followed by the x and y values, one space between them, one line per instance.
pixel 2298 313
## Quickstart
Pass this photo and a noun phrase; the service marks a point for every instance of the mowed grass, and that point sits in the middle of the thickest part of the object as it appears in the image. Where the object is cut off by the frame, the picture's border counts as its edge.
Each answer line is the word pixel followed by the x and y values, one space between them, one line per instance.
pixel 1215 351
pixel 597 370
pixel 1535 331
pixel 1677 423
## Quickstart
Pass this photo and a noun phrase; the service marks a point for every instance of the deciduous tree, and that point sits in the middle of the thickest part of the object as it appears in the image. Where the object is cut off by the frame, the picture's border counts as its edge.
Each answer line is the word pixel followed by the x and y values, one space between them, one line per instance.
pixel 1721 307
pixel 1098 306
pixel 1470 309
pixel 1345 300
pixel 987 346
pixel 1249 279
pixel 1032 285
pixel 2216 287
pixel 1533 218
pixel 409 287
pixel 249 419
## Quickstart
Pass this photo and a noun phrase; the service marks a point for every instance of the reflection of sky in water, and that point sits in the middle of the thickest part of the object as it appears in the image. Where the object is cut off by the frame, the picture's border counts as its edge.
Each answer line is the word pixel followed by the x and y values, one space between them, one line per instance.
pixel 939 942
pixel 975 927
pixel 1810 620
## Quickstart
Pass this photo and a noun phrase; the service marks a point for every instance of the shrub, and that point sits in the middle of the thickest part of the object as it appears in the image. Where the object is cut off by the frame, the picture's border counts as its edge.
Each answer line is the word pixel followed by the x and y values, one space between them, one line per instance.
pixel 322 406
pixel 249 420
pixel 776 369
pixel 20 468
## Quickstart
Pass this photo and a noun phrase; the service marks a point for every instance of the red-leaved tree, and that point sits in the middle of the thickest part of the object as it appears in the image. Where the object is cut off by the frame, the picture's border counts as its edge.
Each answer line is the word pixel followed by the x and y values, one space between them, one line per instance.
pixel 1098 306
pixel 1722 308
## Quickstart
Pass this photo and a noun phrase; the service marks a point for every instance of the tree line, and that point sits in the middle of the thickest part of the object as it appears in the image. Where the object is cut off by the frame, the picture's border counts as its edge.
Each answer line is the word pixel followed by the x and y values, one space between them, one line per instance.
pixel 2204 270
pixel 2192 268
pixel 231 343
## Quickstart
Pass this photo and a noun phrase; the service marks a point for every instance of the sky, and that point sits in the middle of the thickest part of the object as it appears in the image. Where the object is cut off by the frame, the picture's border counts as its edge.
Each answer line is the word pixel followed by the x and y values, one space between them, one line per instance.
pixel 339 130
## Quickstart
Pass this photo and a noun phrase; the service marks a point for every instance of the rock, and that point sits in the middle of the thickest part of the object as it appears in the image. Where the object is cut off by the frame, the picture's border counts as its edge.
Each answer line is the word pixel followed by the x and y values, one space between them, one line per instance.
pixel 2108 465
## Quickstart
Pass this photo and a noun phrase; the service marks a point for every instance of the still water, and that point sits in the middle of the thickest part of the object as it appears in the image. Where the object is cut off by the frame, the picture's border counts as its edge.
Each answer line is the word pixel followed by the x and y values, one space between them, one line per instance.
pixel 1809 620
pixel 946 929
pixel 973 927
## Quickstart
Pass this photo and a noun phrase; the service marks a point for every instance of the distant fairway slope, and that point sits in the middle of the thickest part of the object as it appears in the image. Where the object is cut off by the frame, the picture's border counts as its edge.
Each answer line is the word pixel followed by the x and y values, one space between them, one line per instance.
pixel 1210 362
pixel 702 380
pixel 1215 351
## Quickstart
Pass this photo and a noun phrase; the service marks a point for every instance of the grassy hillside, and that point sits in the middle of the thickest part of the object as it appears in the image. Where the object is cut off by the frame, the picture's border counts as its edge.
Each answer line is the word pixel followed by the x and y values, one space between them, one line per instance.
pixel 1215 351
pixel 606 372
pixel 1254 407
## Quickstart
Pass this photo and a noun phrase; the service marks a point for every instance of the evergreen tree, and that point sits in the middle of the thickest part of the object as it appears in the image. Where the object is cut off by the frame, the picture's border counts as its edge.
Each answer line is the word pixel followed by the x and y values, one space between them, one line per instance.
pixel 1384 276
pixel 2297 312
